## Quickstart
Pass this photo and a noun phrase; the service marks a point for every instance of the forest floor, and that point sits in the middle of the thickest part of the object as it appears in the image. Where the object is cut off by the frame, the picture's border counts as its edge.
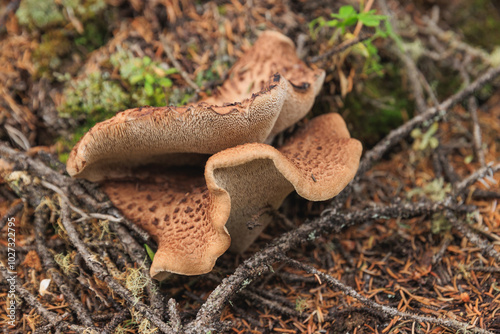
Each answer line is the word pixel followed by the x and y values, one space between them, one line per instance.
pixel 411 246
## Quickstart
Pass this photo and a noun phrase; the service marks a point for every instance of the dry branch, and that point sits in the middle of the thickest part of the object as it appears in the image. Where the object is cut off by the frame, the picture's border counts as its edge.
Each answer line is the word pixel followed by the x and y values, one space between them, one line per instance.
pixel 11 213
pixel 51 267
pixel 54 319
pixel 486 247
pixel 430 115
pixel 99 270
pixel 259 264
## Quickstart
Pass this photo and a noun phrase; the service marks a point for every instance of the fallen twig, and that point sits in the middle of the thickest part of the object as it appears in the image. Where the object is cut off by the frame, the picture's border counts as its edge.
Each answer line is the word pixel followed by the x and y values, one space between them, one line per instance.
pixel 260 263
pixel 99 270
pixel 51 267
pixel 474 177
pixel 486 247
pixel 484 269
pixel 175 318
pixel 11 213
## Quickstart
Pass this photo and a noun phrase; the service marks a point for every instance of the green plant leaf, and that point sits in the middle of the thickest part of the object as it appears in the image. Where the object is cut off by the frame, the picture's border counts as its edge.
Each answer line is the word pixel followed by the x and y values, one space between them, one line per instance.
pixel 345 12
pixel 350 21
pixel 433 142
pixel 370 20
pixel 332 23
pixel 171 70
pixel 380 33
pixel 150 252
pixel 315 25
pixel 372 50
pixel 416 133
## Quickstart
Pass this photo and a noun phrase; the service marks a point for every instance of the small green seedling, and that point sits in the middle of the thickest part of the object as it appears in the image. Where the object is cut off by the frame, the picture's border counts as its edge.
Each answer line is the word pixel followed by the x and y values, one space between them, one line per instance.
pixel 348 17
pixel 425 140
pixel 150 252
pixel 300 304
pixel 436 190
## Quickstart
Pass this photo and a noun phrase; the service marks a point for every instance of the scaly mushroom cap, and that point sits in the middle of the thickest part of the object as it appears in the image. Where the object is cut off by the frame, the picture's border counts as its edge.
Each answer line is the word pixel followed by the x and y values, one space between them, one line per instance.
pixel 159 134
pixel 188 217
pixel 253 105
pixel 272 53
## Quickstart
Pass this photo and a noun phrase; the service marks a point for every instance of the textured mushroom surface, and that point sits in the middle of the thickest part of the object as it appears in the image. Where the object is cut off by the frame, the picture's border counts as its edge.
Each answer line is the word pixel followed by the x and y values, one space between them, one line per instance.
pixel 267 90
pixel 175 207
pixel 273 53
pixel 188 215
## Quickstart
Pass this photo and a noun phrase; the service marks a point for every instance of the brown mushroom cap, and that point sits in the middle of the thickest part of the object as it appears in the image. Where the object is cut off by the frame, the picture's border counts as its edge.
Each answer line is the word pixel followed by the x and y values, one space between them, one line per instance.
pixel 145 135
pixel 318 162
pixel 272 53
pixel 253 105
pixel 188 218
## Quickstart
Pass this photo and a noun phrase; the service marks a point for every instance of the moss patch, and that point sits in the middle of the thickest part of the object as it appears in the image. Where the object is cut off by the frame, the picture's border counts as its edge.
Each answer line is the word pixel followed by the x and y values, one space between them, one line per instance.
pixel 64 28
pixel 479 22
pixel 380 106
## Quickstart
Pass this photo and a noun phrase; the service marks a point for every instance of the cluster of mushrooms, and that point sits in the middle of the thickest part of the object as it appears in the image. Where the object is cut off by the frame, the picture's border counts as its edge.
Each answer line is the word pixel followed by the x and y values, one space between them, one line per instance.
pixel 150 160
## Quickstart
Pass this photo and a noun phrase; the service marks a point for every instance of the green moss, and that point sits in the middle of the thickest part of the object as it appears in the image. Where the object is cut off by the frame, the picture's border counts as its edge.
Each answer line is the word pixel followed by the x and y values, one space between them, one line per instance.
pixel 93 37
pixel 85 9
pixel 435 190
pixel 59 38
pixel 65 262
pixel 479 21
pixel 135 282
pixel 91 100
pixel 146 79
pixel 54 45
pixel 39 14
pixel 43 14
pixel 96 97
pixel 380 106
pixel 300 304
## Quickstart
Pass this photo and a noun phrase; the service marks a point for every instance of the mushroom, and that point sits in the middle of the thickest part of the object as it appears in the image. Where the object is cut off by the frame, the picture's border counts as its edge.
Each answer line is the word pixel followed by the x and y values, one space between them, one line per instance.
pixel 268 90
pixel 137 155
pixel 194 219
